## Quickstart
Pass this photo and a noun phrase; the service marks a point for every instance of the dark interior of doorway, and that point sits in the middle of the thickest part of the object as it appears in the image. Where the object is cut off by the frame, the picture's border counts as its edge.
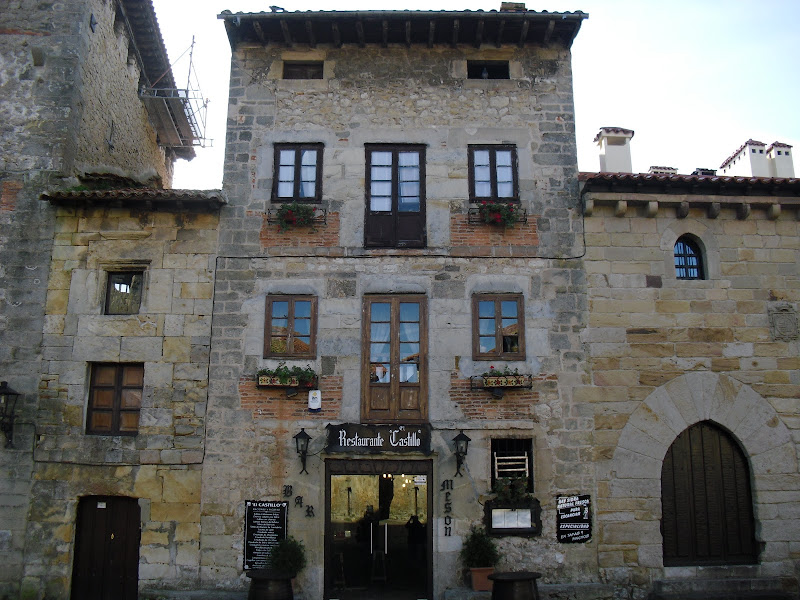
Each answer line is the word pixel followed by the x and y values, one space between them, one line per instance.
pixel 379 538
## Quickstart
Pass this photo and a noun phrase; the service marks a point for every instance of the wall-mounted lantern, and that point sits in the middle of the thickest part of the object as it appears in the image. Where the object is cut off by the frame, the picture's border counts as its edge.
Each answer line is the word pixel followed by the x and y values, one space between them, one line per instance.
pixel 8 406
pixel 462 447
pixel 301 441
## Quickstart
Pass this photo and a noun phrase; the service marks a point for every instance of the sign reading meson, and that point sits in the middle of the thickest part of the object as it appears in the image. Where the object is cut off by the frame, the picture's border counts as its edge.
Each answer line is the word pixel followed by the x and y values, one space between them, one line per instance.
pixel 360 439
pixel 264 527
pixel 573 519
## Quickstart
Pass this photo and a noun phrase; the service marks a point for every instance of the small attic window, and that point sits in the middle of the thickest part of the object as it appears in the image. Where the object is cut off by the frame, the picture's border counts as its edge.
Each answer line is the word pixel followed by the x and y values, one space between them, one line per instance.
pixel 487 69
pixel 310 69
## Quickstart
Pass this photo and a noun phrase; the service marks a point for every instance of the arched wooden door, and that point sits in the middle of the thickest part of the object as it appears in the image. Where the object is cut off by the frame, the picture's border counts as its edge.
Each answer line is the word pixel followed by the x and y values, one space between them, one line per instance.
pixel 706 500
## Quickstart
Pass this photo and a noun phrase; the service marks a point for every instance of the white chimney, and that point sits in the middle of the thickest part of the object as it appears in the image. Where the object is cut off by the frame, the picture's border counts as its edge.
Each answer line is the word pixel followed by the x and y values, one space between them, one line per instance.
pixel 780 160
pixel 655 170
pixel 750 160
pixel 615 149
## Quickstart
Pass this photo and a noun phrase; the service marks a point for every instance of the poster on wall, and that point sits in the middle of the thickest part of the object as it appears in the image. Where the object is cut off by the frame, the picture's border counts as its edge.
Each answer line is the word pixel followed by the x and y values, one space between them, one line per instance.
pixel 573 519
pixel 264 527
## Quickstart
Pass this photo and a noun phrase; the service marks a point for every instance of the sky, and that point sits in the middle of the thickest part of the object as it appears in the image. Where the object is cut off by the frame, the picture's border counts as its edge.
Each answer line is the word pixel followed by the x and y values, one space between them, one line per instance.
pixel 694 79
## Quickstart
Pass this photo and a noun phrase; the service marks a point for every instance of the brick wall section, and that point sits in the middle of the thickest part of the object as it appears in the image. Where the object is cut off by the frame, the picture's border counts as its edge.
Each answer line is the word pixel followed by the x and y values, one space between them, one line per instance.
pixel 462 233
pixel 272 403
pixel 8 194
pixel 516 403
pixel 321 236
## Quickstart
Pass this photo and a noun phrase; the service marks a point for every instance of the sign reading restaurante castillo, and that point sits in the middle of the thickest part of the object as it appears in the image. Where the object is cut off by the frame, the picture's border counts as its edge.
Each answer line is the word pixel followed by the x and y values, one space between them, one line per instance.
pixel 359 439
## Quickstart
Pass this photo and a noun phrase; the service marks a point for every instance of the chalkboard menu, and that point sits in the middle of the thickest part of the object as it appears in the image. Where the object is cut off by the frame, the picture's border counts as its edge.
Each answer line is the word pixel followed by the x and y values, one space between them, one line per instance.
pixel 264 527
pixel 573 519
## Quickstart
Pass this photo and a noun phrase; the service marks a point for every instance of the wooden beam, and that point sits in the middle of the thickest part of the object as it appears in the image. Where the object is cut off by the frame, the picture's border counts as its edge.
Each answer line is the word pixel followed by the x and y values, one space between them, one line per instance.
pixel 499 41
pixel 456 27
pixel 551 25
pixel 384 33
pixel 312 41
pixel 572 34
pixel 524 33
pixel 479 34
pixel 431 33
pixel 360 33
pixel 259 32
pixel 408 34
pixel 337 35
pixel 287 36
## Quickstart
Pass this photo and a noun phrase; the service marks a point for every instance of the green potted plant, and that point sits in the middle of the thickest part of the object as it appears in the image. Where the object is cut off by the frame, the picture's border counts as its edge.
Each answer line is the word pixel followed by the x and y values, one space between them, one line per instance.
pixel 287 559
pixel 504 214
pixel 289 556
pixel 479 554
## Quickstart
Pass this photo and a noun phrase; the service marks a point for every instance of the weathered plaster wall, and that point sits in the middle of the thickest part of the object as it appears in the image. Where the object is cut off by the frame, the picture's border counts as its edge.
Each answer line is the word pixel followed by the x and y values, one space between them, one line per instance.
pixel 667 353
pixel 171 336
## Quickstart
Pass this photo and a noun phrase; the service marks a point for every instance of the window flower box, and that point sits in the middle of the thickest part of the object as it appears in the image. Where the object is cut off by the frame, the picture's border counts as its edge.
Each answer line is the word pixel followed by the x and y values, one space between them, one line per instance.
pixel 285 377
pixel 296 214
pixel 267 381
pixel 499 380
pixel 500 214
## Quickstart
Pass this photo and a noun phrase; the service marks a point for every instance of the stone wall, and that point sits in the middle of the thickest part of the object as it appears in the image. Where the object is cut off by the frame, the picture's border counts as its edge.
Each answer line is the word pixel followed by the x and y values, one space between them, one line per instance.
pixel 40 50
pixel 250 450
pixel 171 335
pixel 115 134
pixel 396 95
pixel 375 96
pixel 667 353
pixel 56 87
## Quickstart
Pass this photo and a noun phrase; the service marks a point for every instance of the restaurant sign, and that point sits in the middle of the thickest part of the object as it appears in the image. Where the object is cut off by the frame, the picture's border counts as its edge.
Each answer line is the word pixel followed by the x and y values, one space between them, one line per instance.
pixel 360 439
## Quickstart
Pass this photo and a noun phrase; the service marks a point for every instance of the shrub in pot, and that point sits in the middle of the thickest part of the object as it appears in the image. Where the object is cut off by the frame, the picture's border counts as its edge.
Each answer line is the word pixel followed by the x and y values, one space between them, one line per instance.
pixel 479 554
pixel 288 558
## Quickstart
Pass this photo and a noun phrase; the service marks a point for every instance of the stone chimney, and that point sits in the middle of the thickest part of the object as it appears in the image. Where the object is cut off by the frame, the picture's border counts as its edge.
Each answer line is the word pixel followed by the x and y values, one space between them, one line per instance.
pixel 615 149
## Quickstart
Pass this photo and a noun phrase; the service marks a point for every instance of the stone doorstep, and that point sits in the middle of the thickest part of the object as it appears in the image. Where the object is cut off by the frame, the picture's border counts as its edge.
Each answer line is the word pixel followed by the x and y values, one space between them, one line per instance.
pixel 726 585
pixel 192 595
pixel 573 591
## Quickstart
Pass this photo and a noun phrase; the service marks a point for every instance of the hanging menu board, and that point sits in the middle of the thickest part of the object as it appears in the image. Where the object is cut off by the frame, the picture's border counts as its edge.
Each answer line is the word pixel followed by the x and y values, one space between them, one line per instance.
pixel 264 527
pixel 573 519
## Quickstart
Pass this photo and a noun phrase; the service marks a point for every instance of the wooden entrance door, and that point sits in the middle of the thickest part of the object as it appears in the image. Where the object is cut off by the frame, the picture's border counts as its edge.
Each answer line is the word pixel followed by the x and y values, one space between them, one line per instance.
pixel 706 500
pixel 106 563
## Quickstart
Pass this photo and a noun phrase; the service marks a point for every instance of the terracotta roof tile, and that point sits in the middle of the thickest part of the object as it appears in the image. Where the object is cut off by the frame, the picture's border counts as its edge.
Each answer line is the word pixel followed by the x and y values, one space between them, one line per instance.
pixel 146 198
pixel 613 130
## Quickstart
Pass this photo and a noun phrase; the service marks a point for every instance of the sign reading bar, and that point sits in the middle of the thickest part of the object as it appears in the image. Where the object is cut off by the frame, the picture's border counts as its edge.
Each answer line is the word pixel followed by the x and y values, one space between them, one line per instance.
pixel 573 519
pixel 264 527
pixel 357 438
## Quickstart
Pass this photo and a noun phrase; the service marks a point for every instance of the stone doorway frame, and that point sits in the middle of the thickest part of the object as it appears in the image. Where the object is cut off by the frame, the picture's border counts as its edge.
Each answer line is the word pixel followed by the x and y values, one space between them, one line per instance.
pixel 629 518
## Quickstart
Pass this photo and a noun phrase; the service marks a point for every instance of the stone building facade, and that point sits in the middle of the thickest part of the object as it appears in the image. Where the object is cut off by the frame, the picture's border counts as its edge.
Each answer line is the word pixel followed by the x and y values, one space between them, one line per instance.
pixel 74 116
pixel 437 90
pixel 710 353
pixel 402 219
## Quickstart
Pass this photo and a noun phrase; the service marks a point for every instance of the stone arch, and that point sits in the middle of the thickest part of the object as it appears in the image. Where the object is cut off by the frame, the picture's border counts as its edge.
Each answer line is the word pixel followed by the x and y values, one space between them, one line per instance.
pixel 698 230
pixel 633 474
